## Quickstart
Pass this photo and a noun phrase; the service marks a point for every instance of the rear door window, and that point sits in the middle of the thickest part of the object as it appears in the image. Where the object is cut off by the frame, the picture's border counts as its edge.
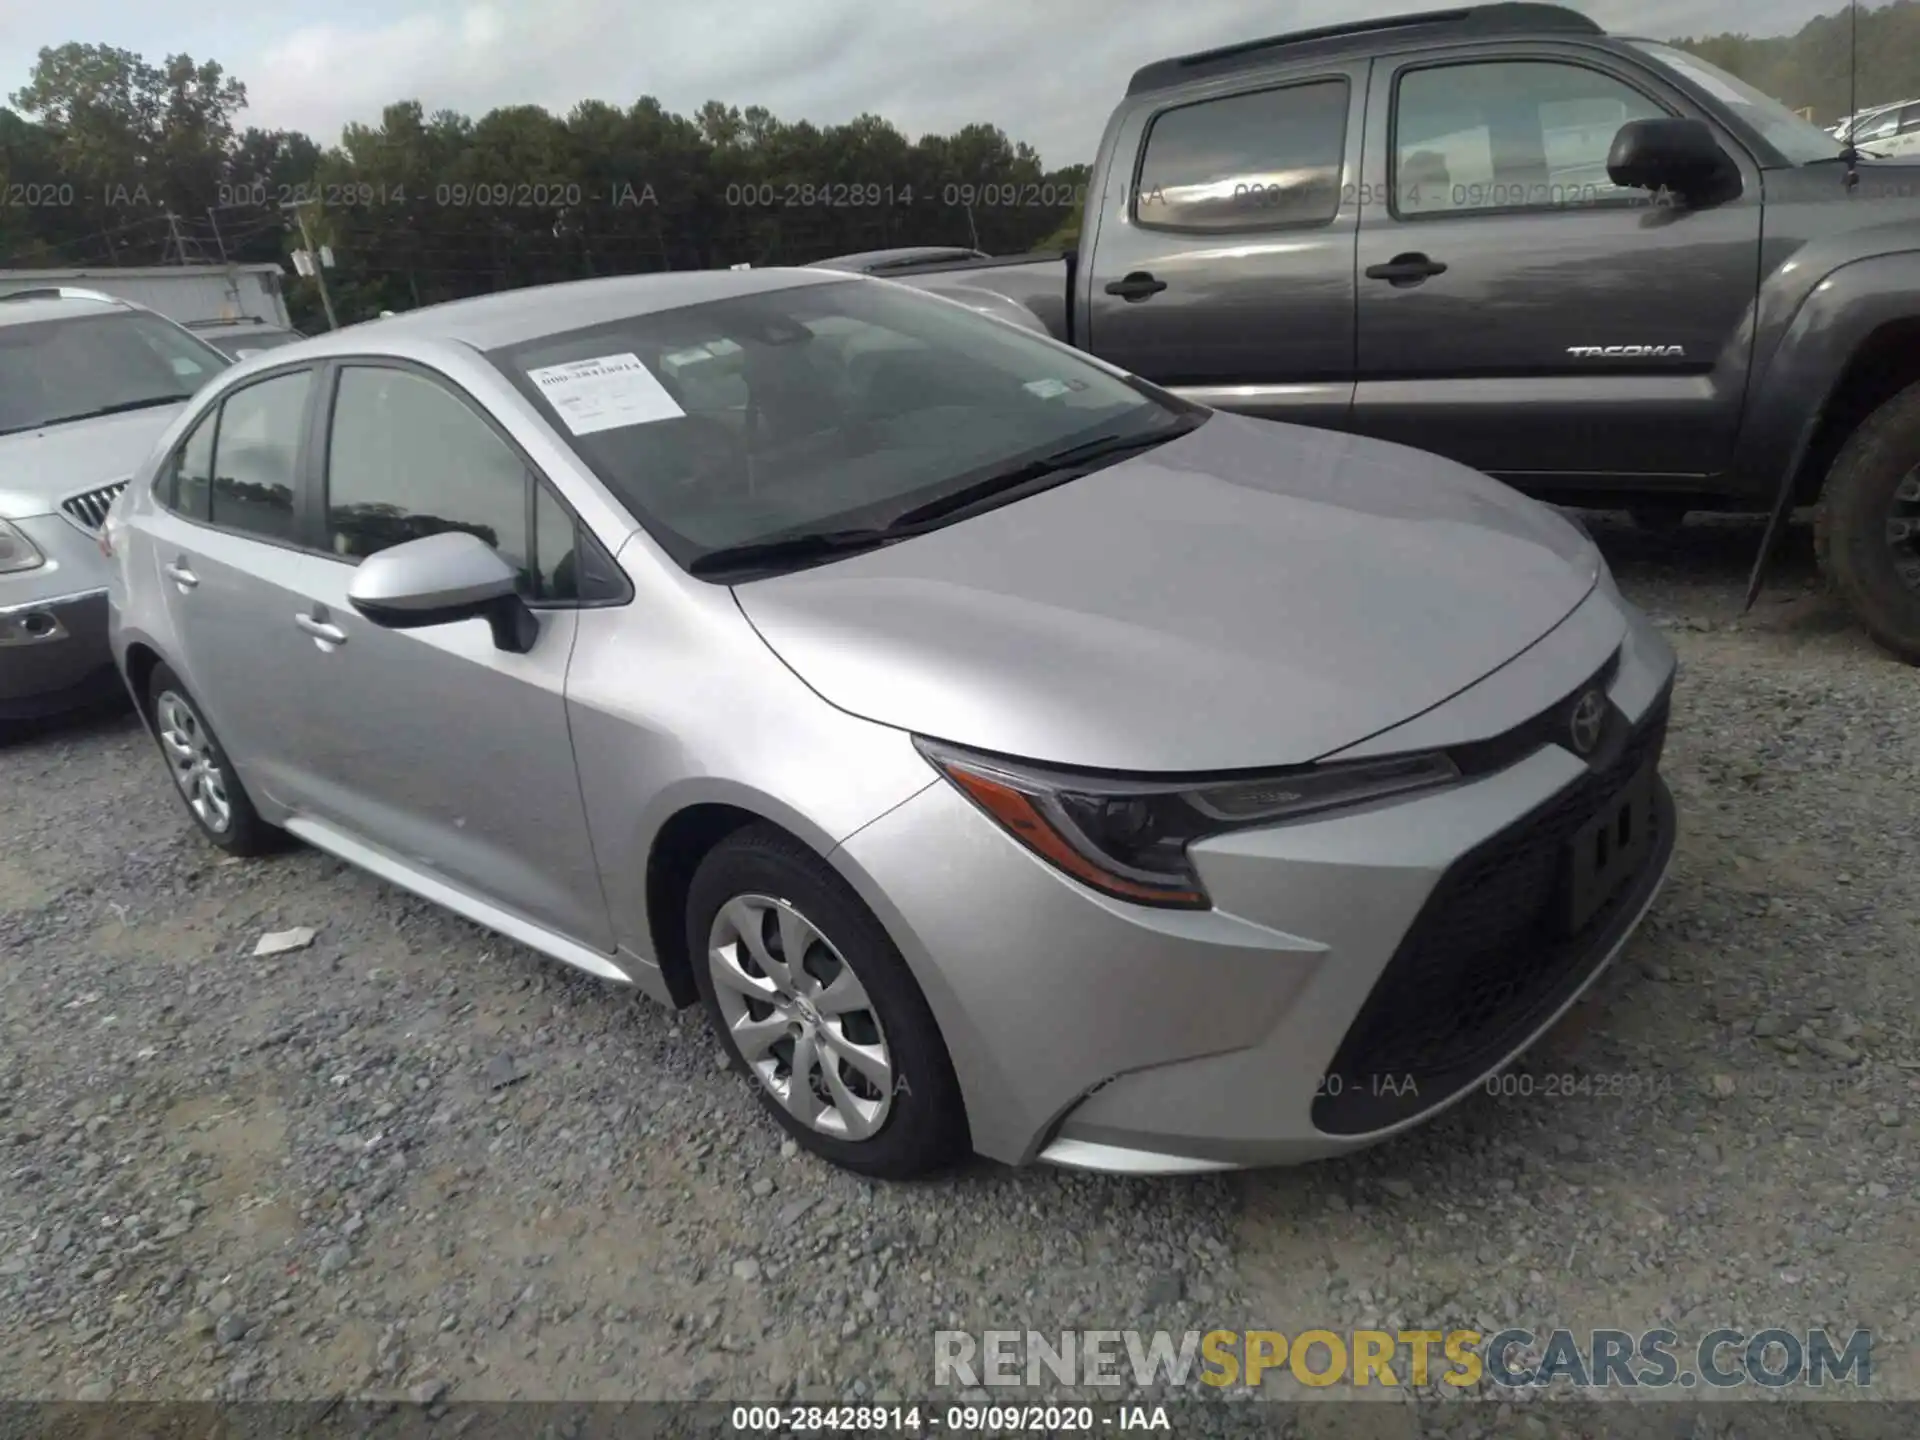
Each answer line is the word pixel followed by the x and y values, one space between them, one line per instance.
pixel 256 455
pixel 186 485
pixel 1263 160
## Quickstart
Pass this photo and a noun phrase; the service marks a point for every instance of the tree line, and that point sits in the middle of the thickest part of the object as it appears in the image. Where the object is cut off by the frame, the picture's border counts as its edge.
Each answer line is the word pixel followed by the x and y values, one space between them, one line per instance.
pixel 1813 68
pixel 108 159
pixel 111 160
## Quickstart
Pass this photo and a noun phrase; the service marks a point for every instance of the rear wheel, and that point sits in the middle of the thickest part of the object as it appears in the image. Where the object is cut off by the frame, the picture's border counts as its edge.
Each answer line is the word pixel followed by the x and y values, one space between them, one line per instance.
pixel 203 775
pixel 811 999
pixel 1867 525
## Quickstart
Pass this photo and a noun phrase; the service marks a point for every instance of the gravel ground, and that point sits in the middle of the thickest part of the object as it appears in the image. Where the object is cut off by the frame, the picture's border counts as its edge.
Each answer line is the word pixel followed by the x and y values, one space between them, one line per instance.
pixel 416 1160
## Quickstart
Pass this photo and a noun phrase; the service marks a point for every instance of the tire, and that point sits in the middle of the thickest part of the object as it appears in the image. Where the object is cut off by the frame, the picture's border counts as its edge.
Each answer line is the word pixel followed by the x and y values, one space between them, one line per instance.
pixel 1874 480
pixel 203 777
pixel 899 1115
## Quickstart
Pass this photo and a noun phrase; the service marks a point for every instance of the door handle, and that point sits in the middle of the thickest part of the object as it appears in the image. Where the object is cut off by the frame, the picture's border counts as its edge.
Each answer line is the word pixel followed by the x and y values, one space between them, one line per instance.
pixel 181 575
pixel 1137 286
pixel 321 630
pixel 1404 270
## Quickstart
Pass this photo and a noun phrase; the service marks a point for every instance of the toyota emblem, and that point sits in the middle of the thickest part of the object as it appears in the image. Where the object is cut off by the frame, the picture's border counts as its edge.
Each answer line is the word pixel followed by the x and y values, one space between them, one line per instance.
pixel 1588 719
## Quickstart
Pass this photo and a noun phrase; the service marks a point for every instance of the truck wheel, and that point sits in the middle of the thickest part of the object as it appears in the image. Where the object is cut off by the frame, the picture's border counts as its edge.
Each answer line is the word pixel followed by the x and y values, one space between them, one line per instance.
pixel 1867 526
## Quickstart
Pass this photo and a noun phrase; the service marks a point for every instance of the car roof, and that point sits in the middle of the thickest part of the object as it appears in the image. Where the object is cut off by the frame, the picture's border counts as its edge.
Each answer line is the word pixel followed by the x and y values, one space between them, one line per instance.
pixel 22 311
pixel 487 322
pixel 1360 37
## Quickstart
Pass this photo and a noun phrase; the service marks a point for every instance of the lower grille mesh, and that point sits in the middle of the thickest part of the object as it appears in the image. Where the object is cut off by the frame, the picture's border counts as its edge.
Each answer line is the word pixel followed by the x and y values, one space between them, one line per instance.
pixel 1484 962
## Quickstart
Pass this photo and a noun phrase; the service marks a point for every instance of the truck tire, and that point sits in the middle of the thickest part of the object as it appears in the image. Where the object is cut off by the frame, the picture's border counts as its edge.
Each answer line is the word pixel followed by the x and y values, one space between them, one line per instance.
pixel 1866 528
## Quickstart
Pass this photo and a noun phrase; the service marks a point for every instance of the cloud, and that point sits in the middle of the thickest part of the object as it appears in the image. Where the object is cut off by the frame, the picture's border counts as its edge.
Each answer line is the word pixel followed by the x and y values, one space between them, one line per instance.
pixel 1046 73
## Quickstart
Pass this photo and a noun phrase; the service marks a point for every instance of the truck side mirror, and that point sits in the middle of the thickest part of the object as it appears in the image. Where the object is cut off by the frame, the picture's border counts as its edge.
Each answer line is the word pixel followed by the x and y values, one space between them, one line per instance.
pixel 1673 154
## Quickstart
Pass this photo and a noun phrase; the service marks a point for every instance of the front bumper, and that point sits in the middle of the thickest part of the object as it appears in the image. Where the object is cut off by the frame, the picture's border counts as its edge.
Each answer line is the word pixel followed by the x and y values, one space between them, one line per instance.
pixel 53 625
pixel 1094 1033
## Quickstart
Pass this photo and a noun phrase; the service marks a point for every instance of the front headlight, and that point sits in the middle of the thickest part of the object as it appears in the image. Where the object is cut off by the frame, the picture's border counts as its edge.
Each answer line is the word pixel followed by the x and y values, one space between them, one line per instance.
pixel 1129 838
pixel 17 552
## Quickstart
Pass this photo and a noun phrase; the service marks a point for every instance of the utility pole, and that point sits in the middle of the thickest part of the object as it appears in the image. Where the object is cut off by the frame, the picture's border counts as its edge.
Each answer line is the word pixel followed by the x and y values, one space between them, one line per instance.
pixel 221 245
pixel 319 270
pixel 177 244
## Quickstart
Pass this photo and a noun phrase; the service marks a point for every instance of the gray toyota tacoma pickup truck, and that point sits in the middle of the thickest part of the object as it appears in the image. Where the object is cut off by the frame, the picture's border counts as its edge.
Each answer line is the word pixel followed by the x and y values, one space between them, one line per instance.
pixel 1596 267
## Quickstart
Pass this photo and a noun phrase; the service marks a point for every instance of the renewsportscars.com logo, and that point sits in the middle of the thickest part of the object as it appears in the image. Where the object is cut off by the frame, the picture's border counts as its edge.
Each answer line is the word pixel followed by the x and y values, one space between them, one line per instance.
pixel 1599 1359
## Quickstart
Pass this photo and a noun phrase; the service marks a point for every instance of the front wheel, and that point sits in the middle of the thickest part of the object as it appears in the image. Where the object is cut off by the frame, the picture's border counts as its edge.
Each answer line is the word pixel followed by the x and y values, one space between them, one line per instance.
pixel 1867 525
pixel 811 999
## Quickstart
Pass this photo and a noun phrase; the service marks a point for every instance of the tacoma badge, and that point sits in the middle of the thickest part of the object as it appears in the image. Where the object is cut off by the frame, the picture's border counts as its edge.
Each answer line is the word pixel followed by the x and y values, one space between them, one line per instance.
pixel 1628 352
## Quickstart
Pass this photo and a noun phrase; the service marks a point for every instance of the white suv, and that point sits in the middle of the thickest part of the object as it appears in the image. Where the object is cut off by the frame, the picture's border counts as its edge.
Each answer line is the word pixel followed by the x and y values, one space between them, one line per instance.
pixel 87 384
pixel 1885 130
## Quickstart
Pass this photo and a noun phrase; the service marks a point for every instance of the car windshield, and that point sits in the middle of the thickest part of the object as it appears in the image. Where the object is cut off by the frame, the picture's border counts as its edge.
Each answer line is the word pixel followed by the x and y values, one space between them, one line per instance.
pixel 814 408
pixel 1789 132
pixel 73 368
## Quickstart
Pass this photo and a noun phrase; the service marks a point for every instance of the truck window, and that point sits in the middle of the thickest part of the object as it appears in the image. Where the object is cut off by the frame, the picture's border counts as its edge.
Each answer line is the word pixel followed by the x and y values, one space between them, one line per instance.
pixel 1257 161
pixel 1508 134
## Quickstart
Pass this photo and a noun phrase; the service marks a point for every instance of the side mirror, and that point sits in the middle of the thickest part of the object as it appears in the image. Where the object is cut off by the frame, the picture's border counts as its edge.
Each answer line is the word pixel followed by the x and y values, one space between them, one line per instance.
pixel 439 579
pixel 1673 154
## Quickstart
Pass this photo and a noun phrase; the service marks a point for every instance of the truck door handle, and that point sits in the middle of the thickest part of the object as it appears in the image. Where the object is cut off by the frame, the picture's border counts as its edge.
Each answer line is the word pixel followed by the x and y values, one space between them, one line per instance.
pixel 326 633
pixel 181 575
pixel 1408 269
pixel 1137 286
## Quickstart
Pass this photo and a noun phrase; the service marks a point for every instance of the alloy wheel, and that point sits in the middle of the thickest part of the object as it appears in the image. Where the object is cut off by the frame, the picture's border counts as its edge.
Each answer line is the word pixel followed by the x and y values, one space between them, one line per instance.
pixel 193 760
pixel 1903 529
pixel 800 1017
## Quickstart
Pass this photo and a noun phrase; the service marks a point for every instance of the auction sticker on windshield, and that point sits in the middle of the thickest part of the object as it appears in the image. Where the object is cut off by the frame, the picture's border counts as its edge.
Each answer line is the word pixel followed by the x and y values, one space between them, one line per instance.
pixel 1048 388
pixel 604 393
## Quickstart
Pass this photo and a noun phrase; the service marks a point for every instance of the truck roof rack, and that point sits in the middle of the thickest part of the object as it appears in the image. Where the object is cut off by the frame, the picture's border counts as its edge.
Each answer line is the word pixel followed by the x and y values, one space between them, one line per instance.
pixel 1469 20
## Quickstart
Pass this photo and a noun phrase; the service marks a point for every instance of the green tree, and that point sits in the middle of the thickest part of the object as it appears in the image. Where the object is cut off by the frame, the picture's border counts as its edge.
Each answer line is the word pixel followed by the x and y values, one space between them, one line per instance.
pixel 147 147
pixel 1815 67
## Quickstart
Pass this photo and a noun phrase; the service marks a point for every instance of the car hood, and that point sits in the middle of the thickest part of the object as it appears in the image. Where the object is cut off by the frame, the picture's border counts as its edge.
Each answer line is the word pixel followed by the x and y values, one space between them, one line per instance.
pixel 40 468
pixel 1251 594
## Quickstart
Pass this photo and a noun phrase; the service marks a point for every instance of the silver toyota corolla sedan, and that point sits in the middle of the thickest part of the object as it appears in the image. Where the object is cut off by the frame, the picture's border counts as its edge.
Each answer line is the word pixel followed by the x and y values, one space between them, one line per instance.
pixel 1010 755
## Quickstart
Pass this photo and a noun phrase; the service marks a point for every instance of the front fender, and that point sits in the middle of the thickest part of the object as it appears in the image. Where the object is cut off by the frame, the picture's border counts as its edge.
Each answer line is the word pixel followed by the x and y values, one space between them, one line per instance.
pixel 1832 323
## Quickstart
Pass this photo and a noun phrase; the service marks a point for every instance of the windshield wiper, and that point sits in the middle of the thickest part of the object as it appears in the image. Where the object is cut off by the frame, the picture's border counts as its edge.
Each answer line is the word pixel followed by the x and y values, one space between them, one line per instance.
pixel 118 409
pixel 806 545
pixel 824 544
pixel 1062 464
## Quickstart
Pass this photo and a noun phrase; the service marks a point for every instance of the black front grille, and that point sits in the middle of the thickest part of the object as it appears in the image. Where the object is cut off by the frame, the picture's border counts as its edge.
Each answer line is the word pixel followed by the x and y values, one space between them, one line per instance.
pixel 89 509
pixel 1486 961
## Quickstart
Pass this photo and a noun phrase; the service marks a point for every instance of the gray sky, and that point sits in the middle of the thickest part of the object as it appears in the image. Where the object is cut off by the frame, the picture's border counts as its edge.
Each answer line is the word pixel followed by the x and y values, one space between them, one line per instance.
pixel 1046 73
